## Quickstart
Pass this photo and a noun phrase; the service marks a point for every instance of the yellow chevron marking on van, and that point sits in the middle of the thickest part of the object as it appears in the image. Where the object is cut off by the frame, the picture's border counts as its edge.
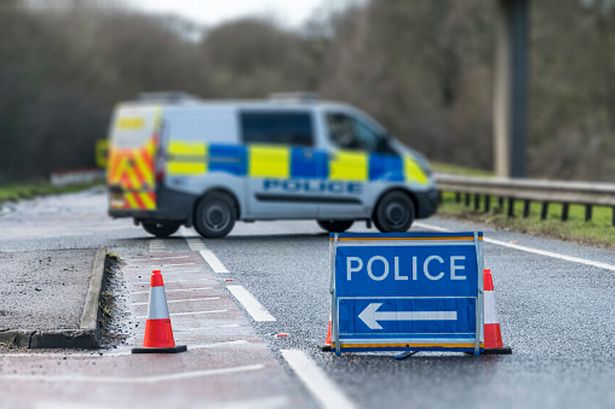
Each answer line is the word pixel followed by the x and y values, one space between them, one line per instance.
pixel 349 166
pixel 147 200
pixel 413 171
pixel 132 203
pixel 268 161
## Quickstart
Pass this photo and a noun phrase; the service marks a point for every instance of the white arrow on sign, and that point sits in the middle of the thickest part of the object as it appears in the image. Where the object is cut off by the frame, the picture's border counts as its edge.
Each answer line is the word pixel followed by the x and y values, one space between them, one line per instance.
pixel 370 316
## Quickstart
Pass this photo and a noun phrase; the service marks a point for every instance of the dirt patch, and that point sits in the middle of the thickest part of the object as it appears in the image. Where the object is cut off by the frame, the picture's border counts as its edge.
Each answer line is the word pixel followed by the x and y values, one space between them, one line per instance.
pixel 114 314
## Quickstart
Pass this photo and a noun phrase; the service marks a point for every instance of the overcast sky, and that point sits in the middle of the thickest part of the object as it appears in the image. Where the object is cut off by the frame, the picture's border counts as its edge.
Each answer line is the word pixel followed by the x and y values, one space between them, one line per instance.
pixel 210 12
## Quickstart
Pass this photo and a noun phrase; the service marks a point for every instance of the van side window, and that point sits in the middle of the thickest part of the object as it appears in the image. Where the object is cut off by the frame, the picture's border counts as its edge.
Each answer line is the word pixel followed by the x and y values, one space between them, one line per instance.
pixel 278 127
pixel 347 132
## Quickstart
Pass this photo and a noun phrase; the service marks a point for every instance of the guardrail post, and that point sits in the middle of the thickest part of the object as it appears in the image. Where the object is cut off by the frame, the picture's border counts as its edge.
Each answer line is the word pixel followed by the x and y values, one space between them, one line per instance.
pixel 500 202
pixel 565 209
pixel 467 200
pixel 457 197
pixel 439 197
pixel 511 207
pixel 544 211
pixel 526 208
pixel 476 201
pixel 588 212
pixel 613 217
pixel 488 204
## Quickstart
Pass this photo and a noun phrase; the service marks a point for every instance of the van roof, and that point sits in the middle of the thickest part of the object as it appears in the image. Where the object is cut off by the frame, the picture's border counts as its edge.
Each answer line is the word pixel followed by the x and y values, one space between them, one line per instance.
pixel 276 100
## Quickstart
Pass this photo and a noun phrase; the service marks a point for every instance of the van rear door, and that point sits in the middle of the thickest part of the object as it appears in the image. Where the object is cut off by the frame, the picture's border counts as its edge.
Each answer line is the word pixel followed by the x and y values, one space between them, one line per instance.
pixel 132 158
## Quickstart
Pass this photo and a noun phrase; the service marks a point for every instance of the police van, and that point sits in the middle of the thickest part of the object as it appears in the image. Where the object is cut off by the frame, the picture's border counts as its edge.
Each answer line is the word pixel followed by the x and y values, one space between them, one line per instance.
pixel 177 160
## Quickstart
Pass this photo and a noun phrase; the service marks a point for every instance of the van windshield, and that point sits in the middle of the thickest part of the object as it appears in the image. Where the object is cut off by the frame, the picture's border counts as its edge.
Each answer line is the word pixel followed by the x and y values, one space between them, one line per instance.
pixel 348 132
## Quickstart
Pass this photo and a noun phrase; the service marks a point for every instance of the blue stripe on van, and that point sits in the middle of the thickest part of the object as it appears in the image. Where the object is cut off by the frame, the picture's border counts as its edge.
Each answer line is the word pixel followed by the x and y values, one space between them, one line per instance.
pixel 308 163
pixel 228 158
pixel 388 168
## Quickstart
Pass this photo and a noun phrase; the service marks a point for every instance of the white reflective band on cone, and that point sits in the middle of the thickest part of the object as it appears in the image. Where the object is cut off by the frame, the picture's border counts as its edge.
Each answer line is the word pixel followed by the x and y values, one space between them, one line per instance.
pixel 491 313
pixel 157 308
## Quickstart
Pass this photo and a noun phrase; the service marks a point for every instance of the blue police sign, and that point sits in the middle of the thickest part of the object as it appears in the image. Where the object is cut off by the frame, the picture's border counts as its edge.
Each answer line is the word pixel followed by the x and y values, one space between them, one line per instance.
pixel 411 291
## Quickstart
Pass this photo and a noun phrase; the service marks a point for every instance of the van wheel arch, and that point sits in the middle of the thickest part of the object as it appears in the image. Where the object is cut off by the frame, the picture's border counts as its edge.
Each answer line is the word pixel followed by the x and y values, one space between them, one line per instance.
pixel 216 190
pixel 407 192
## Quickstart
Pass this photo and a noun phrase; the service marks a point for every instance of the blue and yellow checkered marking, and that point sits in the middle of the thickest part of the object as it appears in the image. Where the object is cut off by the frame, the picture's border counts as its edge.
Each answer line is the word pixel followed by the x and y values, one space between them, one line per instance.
pixel 285 162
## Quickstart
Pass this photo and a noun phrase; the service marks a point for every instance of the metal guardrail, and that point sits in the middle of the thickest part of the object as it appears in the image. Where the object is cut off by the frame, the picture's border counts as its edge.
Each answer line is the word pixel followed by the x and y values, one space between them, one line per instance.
pixel 480 190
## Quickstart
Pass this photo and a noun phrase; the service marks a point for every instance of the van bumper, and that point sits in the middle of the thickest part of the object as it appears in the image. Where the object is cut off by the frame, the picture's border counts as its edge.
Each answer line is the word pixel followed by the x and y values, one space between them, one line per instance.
pixel 171 206
pixel 427 203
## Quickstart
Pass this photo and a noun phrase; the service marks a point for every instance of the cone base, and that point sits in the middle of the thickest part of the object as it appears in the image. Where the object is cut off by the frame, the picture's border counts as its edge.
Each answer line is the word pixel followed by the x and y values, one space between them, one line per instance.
pixel 497 351
pixel 172 350
pixel 326 348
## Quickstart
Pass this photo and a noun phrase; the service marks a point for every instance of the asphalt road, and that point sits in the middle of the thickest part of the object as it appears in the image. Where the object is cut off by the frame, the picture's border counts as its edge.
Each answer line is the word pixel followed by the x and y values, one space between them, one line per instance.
pixel 556 302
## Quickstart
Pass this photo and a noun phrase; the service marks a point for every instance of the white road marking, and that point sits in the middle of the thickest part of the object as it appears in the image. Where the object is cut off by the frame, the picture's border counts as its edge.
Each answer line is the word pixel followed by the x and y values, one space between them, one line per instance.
pixel 195 244
pixel 316 380
pixel 176 290
pixel 532 250
pixel 179 314
pixel 214 262
pixel 178 265
pixel 157 246
pixel 271 402
pixel 136 379
pixel 158 258
pixel 186 281
pixel 178 301
pixel 113 354
pixel 256 310
pixel 197 329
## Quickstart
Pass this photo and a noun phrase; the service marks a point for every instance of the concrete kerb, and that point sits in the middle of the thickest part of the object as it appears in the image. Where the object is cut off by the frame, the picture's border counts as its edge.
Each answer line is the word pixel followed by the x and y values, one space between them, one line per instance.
pixel 84 337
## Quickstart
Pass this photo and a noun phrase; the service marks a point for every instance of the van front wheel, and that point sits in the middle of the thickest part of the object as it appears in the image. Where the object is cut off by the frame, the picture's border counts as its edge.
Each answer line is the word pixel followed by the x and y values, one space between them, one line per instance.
pixel 335 226
pixel 394 213
pixel 160 230
pixel 215 215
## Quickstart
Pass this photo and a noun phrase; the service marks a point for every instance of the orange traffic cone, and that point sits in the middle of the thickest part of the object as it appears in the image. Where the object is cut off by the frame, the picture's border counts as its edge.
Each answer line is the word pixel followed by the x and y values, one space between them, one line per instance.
pixel 492 332
pixel 328 345
pixel 158 331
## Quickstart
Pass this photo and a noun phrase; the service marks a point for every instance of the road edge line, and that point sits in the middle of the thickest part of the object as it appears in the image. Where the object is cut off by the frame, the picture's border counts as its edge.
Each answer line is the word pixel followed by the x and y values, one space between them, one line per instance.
pixel 214 262
pixel 257 311
pixel 532 250
pixel 316 380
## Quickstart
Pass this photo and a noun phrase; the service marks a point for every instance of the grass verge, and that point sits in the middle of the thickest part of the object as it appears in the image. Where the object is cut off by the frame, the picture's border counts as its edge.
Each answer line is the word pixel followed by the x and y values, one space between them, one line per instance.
pixel 597 231
pixel 18 191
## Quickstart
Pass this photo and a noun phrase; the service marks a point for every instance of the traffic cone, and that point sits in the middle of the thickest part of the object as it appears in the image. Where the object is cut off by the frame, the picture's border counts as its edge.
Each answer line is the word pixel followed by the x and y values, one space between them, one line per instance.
pixel 327 346
pixel 492 333
pixel 158 336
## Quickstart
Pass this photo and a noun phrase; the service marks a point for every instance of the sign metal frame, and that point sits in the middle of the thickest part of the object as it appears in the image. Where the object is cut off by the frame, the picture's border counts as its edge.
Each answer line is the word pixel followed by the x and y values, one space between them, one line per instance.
pixel 476 240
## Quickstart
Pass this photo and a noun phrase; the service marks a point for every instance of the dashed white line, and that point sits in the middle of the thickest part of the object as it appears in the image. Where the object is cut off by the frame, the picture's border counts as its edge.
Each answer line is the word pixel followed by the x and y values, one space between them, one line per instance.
pixel 132 379
pixel 158 258
pixel 178 301
pixel 112 354
pixel 532 250
pixel 157 246
pixel 316 380
pixel 256 310
pixel 207 328
pixel 175 290
pixel 196 244
pixel 213 261
pixel 175 265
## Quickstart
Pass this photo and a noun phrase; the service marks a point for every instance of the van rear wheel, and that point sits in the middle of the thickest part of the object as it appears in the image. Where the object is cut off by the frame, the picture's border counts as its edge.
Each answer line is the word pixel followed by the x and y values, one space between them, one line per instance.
pixel 394 213
pixel 161 230
pixel 335 226
pixel 215 215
